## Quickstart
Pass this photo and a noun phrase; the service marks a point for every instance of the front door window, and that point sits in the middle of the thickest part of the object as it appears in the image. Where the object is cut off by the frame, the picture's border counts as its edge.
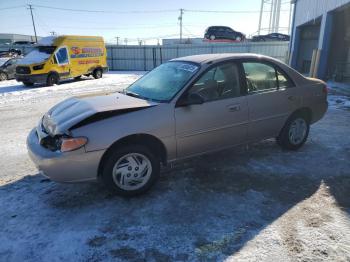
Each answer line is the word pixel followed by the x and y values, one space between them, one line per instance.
pixel 62 56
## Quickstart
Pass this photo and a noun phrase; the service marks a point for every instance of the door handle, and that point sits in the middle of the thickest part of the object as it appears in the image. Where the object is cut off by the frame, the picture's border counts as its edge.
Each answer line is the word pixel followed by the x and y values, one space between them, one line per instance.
pixel 234 108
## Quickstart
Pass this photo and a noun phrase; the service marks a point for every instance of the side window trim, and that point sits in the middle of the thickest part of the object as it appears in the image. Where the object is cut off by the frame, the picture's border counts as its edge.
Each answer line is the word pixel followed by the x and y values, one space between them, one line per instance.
pixel 286 76
pixel 65 47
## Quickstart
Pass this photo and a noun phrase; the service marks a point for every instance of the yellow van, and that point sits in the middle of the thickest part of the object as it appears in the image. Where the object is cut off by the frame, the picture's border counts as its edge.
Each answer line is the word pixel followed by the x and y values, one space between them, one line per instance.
pixel 60 57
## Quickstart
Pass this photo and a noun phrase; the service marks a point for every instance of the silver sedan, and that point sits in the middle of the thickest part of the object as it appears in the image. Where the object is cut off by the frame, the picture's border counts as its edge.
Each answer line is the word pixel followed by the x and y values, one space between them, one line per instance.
pixel 186 107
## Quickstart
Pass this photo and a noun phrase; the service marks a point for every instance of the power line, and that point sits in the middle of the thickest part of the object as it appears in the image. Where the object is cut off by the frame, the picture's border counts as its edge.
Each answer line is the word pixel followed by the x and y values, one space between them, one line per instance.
pixel 227 11
pixel 106 11
pixel 117 28
pixel 12 7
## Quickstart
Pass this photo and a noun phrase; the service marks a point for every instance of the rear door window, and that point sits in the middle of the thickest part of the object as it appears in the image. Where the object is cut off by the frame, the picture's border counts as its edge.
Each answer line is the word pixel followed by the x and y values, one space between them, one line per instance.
pixel 260 77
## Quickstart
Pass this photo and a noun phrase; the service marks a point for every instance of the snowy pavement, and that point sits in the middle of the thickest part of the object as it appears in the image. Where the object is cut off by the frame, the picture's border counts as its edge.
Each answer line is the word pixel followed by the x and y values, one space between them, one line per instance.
pixel 251 203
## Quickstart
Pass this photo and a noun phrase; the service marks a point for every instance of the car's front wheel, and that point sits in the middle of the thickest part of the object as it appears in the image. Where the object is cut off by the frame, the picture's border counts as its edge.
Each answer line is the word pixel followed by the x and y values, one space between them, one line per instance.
pixel 130 170
pixel 3 76
pixel 97 74
pixel 52 79
pixel 295 132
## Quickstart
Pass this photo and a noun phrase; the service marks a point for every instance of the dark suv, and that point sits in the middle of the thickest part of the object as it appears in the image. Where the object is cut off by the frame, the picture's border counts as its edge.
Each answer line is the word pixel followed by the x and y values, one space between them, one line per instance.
pixel 223 32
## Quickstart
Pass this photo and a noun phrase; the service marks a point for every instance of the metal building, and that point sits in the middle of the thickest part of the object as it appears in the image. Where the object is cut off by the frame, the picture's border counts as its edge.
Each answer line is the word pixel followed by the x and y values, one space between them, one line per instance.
pixel 320 43
pixel 11 38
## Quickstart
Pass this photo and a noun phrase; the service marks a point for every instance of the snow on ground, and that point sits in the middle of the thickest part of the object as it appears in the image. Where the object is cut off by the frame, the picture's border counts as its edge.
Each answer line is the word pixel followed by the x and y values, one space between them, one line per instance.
pixel 251 203
pixel 12 91
pixel 339 88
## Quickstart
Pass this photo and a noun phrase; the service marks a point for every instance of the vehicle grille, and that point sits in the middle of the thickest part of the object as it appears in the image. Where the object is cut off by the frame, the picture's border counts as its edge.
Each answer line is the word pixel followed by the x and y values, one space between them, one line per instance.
pixel 23 70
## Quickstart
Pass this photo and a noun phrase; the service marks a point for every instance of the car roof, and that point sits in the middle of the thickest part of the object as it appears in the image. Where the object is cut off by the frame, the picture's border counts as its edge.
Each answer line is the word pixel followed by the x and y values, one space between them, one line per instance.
pixel 211 58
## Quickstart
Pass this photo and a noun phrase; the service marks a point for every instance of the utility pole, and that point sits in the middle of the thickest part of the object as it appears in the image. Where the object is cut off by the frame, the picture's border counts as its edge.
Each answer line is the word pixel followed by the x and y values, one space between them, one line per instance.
pixel 117 40
pixel 261 14
pixel 31 13
pixel 180 19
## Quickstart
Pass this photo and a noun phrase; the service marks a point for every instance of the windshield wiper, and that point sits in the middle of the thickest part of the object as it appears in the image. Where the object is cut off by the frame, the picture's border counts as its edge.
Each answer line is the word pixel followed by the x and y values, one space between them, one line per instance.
pixel 129 93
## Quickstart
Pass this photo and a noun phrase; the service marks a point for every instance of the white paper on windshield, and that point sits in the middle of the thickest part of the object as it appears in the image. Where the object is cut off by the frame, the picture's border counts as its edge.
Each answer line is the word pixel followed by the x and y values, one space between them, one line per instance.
pixel 188 67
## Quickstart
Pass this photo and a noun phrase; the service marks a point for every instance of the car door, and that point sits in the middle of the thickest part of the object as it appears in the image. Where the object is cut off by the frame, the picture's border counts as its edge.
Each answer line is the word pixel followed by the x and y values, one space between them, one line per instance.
pixel 271 99
pixel 221 120
pixel 63 62
pixel 231 34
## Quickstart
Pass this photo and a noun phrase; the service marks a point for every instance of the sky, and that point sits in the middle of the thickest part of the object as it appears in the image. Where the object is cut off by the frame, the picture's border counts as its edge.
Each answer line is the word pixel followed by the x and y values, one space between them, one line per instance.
pixel 133 20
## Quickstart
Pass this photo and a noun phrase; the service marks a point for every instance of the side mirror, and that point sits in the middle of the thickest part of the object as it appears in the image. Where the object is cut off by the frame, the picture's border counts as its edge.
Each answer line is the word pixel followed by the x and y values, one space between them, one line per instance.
pixel 195 99
pixel 192 99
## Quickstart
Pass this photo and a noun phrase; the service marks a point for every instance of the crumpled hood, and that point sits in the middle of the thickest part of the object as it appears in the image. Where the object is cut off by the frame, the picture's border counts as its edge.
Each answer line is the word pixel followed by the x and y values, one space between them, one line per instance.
pixel 72 111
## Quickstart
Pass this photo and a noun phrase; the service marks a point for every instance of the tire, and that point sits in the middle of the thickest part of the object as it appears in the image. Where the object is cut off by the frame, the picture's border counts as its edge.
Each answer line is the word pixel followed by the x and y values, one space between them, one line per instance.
pixel 124 164
pixel 52 79
pixel 97 74
pixel 294 133
pixel 77 78
pixel 28 84
pixel 3 76
pixel 212 37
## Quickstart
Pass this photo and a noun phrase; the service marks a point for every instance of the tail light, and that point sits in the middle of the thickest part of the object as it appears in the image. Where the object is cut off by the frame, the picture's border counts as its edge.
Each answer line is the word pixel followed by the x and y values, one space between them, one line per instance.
pixel 325 90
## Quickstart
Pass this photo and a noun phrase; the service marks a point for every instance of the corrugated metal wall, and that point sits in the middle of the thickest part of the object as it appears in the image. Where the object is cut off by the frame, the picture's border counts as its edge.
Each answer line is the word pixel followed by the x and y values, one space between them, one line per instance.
pixel 307 10
pixel 148 57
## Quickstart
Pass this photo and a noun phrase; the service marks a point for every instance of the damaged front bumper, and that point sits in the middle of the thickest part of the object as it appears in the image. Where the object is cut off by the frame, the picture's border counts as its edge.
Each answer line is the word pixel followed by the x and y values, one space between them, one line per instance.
pixel 75 166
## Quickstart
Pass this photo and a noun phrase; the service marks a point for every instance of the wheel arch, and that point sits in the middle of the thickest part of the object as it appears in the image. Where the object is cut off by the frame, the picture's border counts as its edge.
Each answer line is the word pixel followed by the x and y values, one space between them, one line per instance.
pixel 304 111
pixel 150 141
pixel 53 73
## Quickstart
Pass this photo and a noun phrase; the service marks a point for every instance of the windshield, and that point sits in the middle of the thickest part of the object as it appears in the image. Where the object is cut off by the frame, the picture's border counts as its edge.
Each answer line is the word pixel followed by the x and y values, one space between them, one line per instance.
pixel 163 82
pixel 46 49
pixel 38 55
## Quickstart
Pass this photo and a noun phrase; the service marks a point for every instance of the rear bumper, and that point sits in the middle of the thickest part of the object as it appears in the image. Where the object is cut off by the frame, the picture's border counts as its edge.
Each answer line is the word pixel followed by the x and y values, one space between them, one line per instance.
pixel 39 78
pixel 75 166
pixel 319 111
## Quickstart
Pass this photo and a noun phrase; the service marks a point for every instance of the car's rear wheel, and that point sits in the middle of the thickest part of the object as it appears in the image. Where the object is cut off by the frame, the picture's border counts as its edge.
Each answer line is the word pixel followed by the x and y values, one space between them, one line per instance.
pixel 212 37
pixel 295 132
pixel 28 83
pixel 52 79
pixel 3 76
pixel 130 170
pixel 97 73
